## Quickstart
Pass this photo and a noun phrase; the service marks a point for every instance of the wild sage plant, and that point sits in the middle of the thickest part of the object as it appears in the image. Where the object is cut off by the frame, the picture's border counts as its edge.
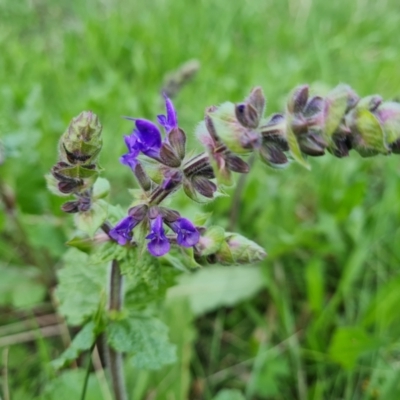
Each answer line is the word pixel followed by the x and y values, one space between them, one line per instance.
pixel 138 253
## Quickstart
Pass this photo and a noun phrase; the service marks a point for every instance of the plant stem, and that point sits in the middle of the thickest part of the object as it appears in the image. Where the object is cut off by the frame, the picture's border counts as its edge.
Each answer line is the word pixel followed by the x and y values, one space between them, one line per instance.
pixel 85 383
pixel 115 358
pixel 237 196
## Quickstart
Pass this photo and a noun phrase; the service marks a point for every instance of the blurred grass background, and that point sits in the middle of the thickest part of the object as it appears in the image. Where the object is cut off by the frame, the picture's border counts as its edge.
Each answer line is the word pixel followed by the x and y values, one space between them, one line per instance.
pixel 325 324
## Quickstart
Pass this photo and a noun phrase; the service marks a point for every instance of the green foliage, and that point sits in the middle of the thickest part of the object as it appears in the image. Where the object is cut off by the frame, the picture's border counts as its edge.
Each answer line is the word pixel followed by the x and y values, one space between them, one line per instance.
pixel 69 386
pixel 213 287
pixel 145 339
pixel 349 343
pixel 20 288
pixel 82 287
pixel 331 234
pixel 229 394
pixel 82 341
pixel 90 221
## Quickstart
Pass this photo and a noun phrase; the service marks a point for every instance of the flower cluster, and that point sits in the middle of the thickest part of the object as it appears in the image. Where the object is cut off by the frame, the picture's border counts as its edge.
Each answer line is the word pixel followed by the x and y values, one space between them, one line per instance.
pixel 339 122
pixel 167 156
pixel 184 232
pixel 76 170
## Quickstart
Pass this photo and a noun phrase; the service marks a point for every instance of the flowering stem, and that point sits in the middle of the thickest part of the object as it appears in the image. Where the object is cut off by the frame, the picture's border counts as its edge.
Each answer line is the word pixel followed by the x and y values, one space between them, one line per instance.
pixel 237 196
pixel 115 358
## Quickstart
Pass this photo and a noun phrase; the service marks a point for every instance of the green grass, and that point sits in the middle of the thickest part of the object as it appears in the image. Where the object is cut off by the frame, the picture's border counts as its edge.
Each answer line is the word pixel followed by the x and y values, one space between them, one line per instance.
pixel 326 325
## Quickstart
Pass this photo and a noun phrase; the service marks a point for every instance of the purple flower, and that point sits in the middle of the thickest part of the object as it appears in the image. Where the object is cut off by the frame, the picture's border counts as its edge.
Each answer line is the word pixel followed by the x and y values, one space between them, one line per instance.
pixel 169 121
pixel 145 138
pixel 159 244
pixel 148 137
pixel 122 232
pixel 188 235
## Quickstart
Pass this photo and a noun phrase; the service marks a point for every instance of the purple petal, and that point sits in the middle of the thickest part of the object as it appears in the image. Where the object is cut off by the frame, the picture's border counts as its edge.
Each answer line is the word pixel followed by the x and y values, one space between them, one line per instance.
pixel 148 134
pixel 158 247
pixel 129 159
pixel 170 121
pixel 188 235
pixel 122 232
pixel 131 142
pixel 159 244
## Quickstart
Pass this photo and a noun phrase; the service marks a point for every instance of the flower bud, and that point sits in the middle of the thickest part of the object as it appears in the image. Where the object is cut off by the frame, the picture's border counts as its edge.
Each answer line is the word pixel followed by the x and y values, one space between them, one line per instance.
pixel 70 207
pixel 142 177
pixel 210 241
pixel 247 115
pixel 168 156
pixel 388 114
pixel 138 212
pixel 236 164
pixel 256 99
pixel 204 186
pixel 272 154
pixel 232 133
pixel 312 144
pixel 177 139
pixel 298 100
pixel 239 250
pixel 81 142
pixel 367 135
pixel 168 214
pixel 370 103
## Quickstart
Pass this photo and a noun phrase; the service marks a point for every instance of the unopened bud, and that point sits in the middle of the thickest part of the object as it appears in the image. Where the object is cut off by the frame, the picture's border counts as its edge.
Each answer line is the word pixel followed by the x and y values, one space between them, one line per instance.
pixel 312 144
pixel 236 164
pixel 81 142
pixel 370 103
pixel 168 214
pixel 70 207
pixel 239 250
pixel 210 241
pixel 177 139
pixel 247 115
pixel 232 133
pixel 388 114
pixel 298 99
pixel 142 177
pixel 272 154
pixel 256 99
pixel 204 186
pixel 168 156
pixel 139 212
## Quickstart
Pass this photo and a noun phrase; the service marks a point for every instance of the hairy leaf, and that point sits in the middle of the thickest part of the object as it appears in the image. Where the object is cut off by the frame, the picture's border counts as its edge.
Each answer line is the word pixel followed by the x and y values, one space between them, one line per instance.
pixel 214 287
pixel 81 288
pixel 146 339
pixel 82 341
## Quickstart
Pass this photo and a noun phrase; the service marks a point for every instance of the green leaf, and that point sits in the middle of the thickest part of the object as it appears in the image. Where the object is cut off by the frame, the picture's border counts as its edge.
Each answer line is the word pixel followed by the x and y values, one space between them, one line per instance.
pixel 349 343
pixel 200 219
pixel 82 341
pixel 391 125
pixel 337 100
pixel 315 284
pixel 20 287
pixel 228 128
pixel 294 146
pixel 146 339
pixel 69 386
pixel 212 240
pixel 101 188
pixel 82 287
pixel 90 221
pixel 81 242
pixel 229 394
pixel 213 287
pixel 371 132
